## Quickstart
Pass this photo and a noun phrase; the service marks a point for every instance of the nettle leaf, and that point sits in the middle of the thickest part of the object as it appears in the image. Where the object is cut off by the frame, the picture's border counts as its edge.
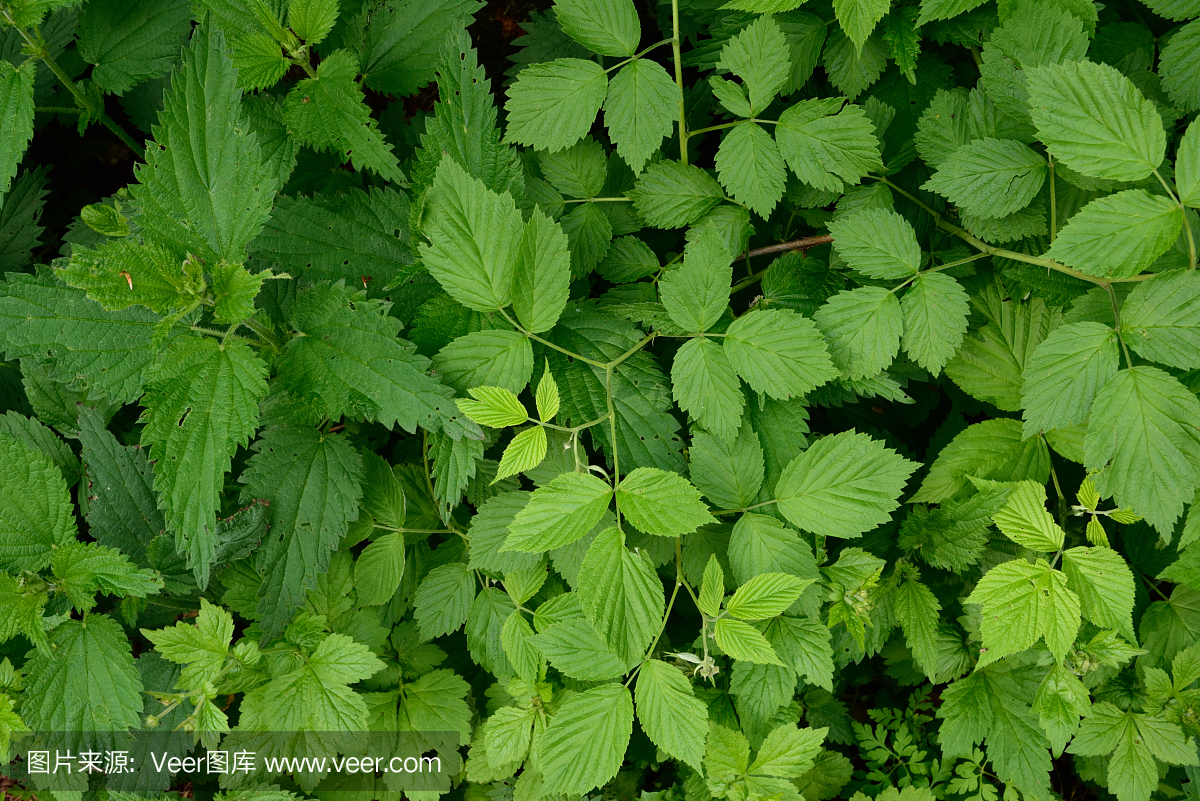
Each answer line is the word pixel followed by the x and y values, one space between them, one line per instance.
pixel 129 42
pixel 859 17
pixel 843 485
pixel 16 109
pixel 36 515
pixel 993 449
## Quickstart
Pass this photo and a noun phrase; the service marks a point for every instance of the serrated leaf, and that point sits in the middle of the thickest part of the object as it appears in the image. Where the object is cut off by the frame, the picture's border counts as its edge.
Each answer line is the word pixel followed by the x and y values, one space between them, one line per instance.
pixel 932 10
pixel 404 37
pixel 788 751
pixel 584 744
pixel 661 503
pixel 1023 602
pixel 84 569
pixel 620 594
pixel 1068 368
pixel 990 177
pixel 749 165
pixel 547 398
pixel 917 611
pixel 878 243
pixel 16 110
pixel 705 386
pixel 765 595
pixel 743 641
pixel 842 485
pixel 444 599
pixel 379 569
pixel 640 110
pixel 778 352
pixel 935 311
pixel 1179 68
pixel 1160 319
pixel 130 42
pixel 541 275
pixel 576 650
pixel 696 294
pixel 993 449
pixel 990 362
pixel 1118 236
pixel 1104 584
pixel 671 195
pixel 552 105
pixel 486 358
pixel 329 112
pixel 859 17
pixel 525 452
pixel 200 647
pixel 607 27
pixel 1025 520
pixel 670 714
pixel 827 143
pixel 36 513
pixel 559 513
pixel 862 327
pixel 312 20
pixel 1140 430
pixel 758 55
pixel 1094 120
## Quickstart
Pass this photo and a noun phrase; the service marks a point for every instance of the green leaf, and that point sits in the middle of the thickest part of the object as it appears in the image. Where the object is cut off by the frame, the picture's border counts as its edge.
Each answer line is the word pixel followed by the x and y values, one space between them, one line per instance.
pixel 494 407
pixel 803 645
pixel 475 239
pixel 546 398
pixel 935 311
pixel 990 363
pixel 706 387
pixel 312 20
pixel 1141 435
pixel 313 482
pixel 712 588
pixel 671 195
pixel 403 39
pixel 489 529
pixel 205 187
pixel 993 449
pixel 670 714
pixel 765 595
pixel 743 641
pixel 932 10
pixel 608 27
pixel 1059 702
pixel 201 647
pixel 1160 319
pixel 379 569
pixel 1025 520
pixel 728 470
pixel 1179 68
pixel 83 569
pixel 788 751
pixel 778 352
pixel 329 112
pixel 559 513
pixel 525 452
pixel 1104 584
pixel 1187 167
pixel 576 650
pixel 878 243
pixel 760 544
pixel 85 681
pixel 851 70
pixel 990 177
pixel 1135 740
pixel 661 503
pixel 842 485
pixel 862 328
pixel 696 294
pixel 917 612
pixel 20 215
pixel 726 757
pixel 749 165
pixel 585 742
pixel 444 599
pixel 551 106
pixel 858 18
pixel 350 361
pixel 1068 368
pixel 541 274
pixel 1093 119
pixel 620 594
pixel 577 172
pixel 640 110
pixel 827 143
pixel 496 358
pixel 1023 602
pixel 130 42
pixel 759 56
pixel 16 109
pixel 1118 236
pixel 201 404
pixel 36 513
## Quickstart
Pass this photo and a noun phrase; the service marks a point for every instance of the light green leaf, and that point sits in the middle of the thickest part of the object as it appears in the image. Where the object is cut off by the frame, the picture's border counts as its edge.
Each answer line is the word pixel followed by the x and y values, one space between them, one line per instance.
pixel 525 452
pixel 552 105
pixel 728 470
pixel 706 387
pixel 743 641
pixel 670 714
pixel 312 20
pixel 993 449
pixel 935 312
pixel 1187 167
pixel 507 734
pixel 559 513
pixel 575 648
pixel 1142 434
pixel 1023 602
pixel 990 177
pixel 917 611
pixel 761 544
pixel 379 568
pixel 584 744
pixel 712 588
pixel 765 595
pixel 932 10
pixel 696 293
pixel 1059 702
pixel 862 327
pixel 497 358
pixel 83 569
pixel 878 243
pixel 788 751
pixel 661 503
pixel 1118 236
pixel 1104 584
pixel 36 513
pixel 827 143
pixel 1093 119
pixel 749 165
pixel 858 18
pixel 759 56
pixel 444 599
pixel 1068 368
pixel 546 397
pixel 200 647
pixel 494 407
pixel 778 352
pixel 542 273
pixel 1025 520
pixel 620 594
pixel 1160 319
pixel 16 110
pixel 671 195
pixel 842 485
pixel 608 27
pixel 475 235
pixel 804 645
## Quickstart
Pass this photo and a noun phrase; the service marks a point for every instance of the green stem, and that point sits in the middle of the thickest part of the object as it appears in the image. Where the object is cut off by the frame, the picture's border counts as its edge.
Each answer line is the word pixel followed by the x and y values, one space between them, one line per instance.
pixel 646 340
pixel 939 268
pixel 264 333
pixel 1112 299
pixel 1062 499
pixel 573 429
pixel 711 128
pixel 599 200
pixel 661 629
pixel 57 110
pixel 638 55
pixel 612 423
pixel 743 509
pixel 1053 204
pixel 678 58
pixel 224 335
pixel 548 343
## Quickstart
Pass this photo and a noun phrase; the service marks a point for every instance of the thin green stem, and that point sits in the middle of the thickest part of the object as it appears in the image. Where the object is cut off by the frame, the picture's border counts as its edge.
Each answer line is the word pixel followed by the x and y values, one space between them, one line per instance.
pixel 1191 240
pixel 1112 299
pixel 598 200
pixel 661 629
pixel 743 509
pixel 1170 192
pixel 264 333
pixel 711 128
pixel 573 429
pixel 938 269
pixel 612 422
pixel 677 56
pixel 57 110
pixel 1062 499
pixel 224 335
pixel 548 343
pixel 646 340
pixel 638 55
pixel 1053 203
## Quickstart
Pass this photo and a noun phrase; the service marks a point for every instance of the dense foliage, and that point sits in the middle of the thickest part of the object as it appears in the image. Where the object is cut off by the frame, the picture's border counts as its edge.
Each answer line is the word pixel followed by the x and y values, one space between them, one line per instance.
pixel 761 399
